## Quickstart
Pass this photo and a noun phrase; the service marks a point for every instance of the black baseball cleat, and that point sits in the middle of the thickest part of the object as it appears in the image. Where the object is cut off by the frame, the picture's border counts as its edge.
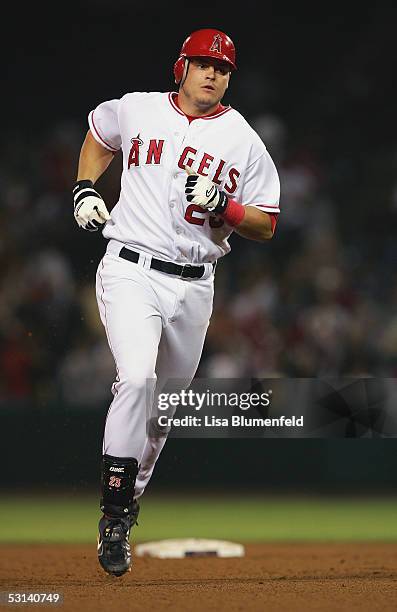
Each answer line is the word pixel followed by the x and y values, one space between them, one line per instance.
pixel 114 550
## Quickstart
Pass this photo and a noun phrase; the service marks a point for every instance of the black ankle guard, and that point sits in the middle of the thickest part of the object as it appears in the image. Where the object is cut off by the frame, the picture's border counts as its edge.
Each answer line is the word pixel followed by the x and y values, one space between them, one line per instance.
pixel 118 485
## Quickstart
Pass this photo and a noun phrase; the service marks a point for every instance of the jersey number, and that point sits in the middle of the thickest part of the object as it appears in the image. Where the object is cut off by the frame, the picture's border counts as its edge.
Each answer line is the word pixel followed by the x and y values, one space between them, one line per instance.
pixel 194 220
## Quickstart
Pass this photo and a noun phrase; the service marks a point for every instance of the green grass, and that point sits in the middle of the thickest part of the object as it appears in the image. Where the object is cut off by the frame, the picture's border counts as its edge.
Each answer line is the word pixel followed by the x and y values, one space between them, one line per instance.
pixel 243 518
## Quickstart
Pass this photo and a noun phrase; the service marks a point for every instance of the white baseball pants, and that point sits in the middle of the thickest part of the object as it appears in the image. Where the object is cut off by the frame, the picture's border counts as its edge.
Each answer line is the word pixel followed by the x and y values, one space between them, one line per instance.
pixel 156 325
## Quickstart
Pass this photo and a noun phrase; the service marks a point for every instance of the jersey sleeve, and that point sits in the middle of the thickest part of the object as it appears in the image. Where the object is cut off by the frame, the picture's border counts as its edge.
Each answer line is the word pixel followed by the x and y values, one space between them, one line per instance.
pixel 262 185
pixel 104 125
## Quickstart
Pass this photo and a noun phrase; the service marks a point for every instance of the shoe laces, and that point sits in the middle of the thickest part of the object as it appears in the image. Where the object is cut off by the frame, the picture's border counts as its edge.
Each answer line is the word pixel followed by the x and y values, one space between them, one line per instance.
pixel 115 526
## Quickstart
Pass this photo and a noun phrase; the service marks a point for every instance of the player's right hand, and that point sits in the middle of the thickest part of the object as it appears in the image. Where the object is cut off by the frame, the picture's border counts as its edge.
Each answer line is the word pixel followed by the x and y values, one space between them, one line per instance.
pixel 90 210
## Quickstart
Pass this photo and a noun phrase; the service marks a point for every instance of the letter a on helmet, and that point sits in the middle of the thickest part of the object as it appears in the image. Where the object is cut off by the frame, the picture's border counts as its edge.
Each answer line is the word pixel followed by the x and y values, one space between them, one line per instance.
pixel 216 45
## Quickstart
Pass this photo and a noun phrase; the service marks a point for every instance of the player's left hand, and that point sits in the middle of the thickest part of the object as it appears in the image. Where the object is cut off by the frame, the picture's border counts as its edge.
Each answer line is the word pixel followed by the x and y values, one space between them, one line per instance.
pixel 203 192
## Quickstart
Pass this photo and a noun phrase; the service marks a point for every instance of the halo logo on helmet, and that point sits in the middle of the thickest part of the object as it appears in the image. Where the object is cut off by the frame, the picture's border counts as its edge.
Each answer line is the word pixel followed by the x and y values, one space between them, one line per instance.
pixel 216 44
pixel 205 43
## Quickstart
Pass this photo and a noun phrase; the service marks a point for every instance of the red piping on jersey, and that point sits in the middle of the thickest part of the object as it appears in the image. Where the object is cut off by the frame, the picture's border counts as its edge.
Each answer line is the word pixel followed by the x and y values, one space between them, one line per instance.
pixel 98 134
pixel 266 205
pixel 221 110
pixel 191 118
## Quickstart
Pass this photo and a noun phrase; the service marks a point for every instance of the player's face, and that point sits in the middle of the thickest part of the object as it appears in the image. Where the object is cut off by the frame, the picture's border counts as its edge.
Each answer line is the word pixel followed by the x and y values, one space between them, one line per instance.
pixel 206 82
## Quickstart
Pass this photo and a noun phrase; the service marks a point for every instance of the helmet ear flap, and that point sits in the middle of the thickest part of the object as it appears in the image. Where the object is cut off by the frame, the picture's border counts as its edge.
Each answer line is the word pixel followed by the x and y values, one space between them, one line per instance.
pixel 178 69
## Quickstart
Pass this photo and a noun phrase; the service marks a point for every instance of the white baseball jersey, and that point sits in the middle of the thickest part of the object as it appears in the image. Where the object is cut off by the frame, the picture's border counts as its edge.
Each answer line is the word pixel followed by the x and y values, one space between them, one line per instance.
pixel 152 214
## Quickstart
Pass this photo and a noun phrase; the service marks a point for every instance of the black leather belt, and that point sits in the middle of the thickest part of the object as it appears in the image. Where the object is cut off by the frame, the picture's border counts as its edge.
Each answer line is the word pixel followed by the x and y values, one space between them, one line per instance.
pixel 185 271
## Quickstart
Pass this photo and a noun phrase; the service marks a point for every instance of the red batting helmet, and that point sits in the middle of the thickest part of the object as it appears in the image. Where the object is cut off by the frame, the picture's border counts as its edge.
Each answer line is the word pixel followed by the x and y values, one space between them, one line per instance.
pixel 206 43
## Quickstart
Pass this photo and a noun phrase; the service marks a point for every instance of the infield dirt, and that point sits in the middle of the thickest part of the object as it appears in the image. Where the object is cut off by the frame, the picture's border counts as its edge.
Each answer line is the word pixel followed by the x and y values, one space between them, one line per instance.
pixel 270 577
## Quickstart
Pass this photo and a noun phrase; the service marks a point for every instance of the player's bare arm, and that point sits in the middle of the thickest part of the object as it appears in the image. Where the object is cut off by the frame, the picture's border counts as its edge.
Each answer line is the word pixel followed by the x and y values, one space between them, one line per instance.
pixel 256 225
pixel 90 210
pixel 94 159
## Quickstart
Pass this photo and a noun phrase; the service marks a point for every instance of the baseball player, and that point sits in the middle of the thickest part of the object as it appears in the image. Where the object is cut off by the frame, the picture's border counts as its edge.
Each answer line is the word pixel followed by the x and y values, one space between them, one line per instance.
pixel 194 171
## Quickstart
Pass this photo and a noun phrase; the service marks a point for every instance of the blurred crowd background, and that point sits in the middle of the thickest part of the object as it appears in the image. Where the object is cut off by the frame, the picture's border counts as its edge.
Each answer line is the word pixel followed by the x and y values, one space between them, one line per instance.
pixel 319 299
